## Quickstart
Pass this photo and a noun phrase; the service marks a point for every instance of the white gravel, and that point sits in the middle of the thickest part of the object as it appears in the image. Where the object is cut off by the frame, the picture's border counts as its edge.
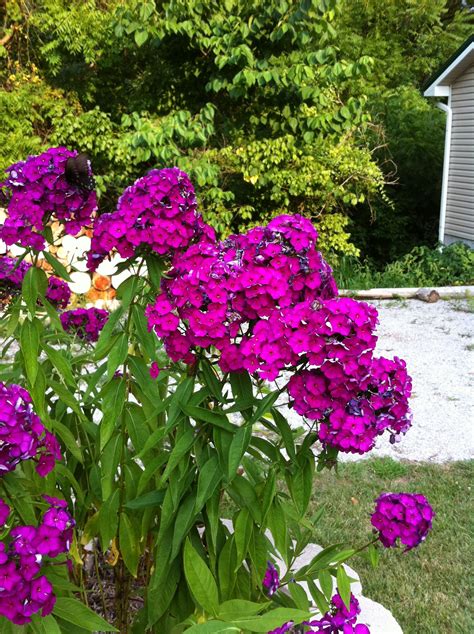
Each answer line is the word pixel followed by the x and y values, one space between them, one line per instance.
pixel 437 342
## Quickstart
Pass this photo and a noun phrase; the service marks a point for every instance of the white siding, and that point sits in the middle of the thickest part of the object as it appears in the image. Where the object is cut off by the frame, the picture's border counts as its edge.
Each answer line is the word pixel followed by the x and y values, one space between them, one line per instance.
pixel 460 195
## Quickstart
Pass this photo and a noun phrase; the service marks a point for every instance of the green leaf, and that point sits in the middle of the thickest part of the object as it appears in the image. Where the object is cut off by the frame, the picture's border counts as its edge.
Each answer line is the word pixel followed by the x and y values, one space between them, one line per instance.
pixel 201 414
pixel 108 519
pixel 104 342
pixel 58 268
pixel 29 343
pixel 163 585
pixel 242 535
pixel 128 289
pixel 236 608
pixel 128 544
pixel 69 440
pixel 237 448
pixel 147 500
pixel 325 581
pixel 226 566
pixel 264 405
pixel 184 520
pixel 155 268
pixel 374 555
pixel 200 581
pixel 34 284
pixel 285 431
pixel 318 597
pixel 242 388
pixel 211 379
pixel 212 627
pixel 62 364
pixel 276 521
pixel 67 398
pixel 183 445
pixel 117 355
pixel 208 480
pixel 271 620
pixel 45 624
pixel 73 611
pixel 244 494
pixel 114 400
pixel 344 586
pixel 299 596
pixel 140 37
pixel 137 427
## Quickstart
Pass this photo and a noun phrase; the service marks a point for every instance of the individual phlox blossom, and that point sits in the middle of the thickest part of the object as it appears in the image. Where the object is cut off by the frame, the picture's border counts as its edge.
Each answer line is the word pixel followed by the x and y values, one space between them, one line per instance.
pixel 22 435
pixel 58 292
pixel 339 618
pixel 271 580
pixel 38 191
pixel 23 590
pixel 157 214
pixel 155 370
pixel 402 516
pixel 86 323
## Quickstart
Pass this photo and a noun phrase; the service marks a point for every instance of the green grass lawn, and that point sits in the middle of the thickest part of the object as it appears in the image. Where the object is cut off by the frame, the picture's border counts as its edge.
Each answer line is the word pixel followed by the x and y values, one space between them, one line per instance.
pixel 429 589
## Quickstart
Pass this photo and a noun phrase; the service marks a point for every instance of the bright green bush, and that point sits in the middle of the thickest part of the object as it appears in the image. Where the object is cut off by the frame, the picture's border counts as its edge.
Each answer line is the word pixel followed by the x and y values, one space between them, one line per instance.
pixel 451 265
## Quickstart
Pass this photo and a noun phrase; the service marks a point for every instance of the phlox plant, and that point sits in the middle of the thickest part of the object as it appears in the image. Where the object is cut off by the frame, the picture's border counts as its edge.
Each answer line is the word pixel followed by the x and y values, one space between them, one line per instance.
pixel 149 479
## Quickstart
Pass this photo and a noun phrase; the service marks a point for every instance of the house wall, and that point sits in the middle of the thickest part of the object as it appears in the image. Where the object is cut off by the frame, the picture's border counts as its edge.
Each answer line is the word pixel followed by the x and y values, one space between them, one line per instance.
pixel 460 191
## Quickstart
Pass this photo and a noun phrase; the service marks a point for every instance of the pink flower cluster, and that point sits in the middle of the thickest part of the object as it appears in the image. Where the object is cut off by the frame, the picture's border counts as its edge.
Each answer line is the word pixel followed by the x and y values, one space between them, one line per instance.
pixel 240 296
pixel 271 580
pixel 266 301
pixel 355 403
pixel 12 272
pixel 12 275
pixel 37 191
pixel 86 323
pixel 404 516
pixel 23 591
pixel 340 619
pixel 58 292
pixel 22 435
pixel 158 213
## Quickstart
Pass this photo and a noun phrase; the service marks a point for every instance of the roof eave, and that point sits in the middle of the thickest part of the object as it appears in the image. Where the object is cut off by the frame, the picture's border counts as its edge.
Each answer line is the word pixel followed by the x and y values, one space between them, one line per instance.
pixel 439 84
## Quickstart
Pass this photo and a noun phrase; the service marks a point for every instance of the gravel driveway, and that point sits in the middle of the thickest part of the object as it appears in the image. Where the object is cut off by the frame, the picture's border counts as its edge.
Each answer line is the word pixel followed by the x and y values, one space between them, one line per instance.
pixel 437 342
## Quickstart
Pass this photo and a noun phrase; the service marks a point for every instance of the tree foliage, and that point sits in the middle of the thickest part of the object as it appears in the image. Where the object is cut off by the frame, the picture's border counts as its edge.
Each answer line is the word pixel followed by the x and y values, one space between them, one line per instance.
pixel 271 106
pixel 252 99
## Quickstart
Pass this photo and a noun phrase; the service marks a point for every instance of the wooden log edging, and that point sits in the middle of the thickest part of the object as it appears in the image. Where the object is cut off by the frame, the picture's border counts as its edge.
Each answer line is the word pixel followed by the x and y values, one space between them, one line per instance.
pixel 424 294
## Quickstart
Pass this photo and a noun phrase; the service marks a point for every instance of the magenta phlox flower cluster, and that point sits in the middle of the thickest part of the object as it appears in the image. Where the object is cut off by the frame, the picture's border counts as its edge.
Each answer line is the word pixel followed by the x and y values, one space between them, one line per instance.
pixel 58 292
pixel 12 275
pixel 23 591
pixel 37 192
pixel 340 618
pixel 238 296
pixel 158 214
pixel 271 580
pixel 86 323
pixel 402 516
pixel 266 302
pixel 355 406
pixel 22 435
